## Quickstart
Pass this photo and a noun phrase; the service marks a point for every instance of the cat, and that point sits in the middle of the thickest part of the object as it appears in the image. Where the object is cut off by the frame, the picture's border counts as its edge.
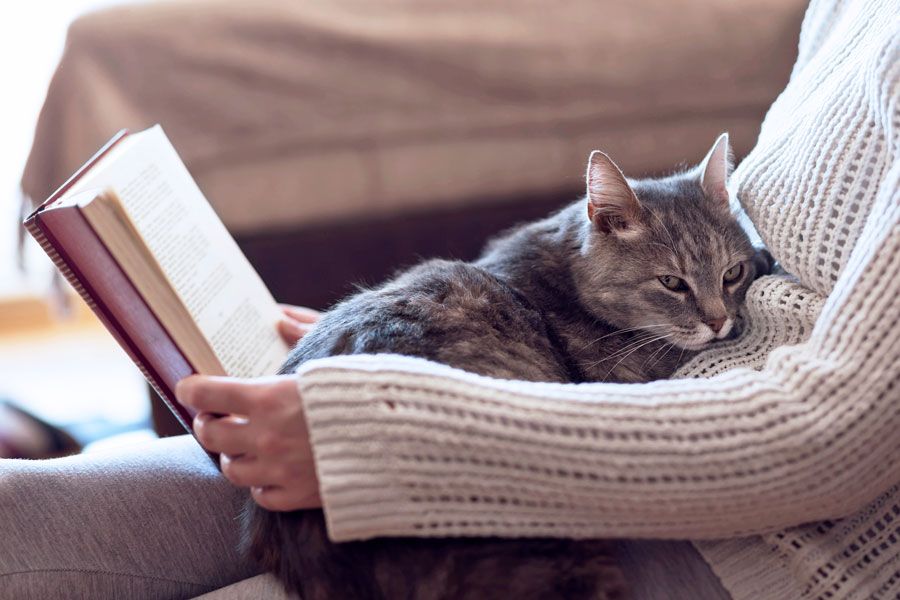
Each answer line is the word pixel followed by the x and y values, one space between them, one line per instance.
pixel 622 286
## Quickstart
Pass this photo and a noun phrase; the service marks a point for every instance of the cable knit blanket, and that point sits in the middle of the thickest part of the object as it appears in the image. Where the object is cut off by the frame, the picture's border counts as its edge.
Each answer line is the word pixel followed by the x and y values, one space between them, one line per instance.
pixel 796 422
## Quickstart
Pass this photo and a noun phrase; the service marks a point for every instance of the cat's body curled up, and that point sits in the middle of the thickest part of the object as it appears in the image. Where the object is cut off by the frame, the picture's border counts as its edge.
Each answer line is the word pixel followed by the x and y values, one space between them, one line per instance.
pixel 622 286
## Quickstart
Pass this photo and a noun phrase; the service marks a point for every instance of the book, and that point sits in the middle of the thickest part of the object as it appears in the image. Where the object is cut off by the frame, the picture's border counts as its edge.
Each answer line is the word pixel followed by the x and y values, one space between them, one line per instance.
pixel 135 237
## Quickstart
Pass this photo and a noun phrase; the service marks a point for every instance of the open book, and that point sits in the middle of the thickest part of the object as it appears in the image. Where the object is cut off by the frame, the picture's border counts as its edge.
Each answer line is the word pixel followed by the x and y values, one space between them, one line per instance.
pixel 134 235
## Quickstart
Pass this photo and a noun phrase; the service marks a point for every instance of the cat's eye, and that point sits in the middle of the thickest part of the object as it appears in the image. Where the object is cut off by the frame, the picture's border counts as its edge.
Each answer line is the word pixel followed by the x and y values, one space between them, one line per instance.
pixel 734 273
pixel 676 284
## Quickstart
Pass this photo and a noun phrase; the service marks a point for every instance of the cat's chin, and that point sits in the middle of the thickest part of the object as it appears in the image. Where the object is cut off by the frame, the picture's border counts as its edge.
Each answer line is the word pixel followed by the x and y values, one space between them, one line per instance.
pixel 695 345
pixel 699 340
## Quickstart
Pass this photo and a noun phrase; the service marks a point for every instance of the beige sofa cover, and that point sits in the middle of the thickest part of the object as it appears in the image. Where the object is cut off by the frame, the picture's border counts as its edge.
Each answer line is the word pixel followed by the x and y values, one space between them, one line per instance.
pixel 290 113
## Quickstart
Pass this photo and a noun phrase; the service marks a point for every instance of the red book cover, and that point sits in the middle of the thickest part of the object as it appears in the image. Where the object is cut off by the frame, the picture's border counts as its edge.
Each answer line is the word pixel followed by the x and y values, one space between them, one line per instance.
pixel 70 241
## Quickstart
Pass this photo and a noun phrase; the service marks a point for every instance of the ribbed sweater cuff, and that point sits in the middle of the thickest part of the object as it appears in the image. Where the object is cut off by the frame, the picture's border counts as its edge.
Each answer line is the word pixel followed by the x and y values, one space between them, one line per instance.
pixel 358 483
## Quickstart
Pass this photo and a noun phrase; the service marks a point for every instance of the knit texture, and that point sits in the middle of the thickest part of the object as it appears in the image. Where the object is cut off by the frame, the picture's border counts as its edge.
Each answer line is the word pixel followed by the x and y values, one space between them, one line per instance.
pixel 797 422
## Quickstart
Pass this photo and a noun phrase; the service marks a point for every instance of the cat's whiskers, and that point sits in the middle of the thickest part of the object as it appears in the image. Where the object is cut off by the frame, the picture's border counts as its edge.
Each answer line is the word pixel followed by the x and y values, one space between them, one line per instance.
pixel 621 331
pixel 668 348
pixel 655 339
pixel 641 340
pixel 678 362
pixel 638 341
pixel 591 364
pixel 652 354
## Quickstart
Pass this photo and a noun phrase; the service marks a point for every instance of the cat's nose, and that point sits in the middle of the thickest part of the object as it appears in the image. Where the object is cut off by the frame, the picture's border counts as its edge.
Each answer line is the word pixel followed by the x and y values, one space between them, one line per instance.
pixel 716 323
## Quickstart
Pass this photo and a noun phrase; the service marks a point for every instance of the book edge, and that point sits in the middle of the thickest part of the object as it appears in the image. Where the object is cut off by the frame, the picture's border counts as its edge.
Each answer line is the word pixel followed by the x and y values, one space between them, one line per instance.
pixel 46 241
pixel 109 196
pixel 84 168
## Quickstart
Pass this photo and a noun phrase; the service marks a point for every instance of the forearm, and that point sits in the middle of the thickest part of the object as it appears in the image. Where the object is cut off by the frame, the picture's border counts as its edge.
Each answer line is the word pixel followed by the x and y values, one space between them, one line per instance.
pixel 433 455
pixel 407 447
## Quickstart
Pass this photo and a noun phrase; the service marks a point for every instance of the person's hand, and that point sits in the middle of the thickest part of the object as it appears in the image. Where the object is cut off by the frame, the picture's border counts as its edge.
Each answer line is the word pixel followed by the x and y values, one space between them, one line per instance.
pixel 259 429
pixel 296 321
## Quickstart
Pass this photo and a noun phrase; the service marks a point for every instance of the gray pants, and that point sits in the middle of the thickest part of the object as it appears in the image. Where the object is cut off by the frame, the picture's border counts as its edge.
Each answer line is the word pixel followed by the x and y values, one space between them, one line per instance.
pixel 152 521
pixel 158 521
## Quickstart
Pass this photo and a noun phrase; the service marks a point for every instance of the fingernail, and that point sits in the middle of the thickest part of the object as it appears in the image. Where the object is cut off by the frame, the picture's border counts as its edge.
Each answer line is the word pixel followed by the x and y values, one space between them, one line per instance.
pixel 179 391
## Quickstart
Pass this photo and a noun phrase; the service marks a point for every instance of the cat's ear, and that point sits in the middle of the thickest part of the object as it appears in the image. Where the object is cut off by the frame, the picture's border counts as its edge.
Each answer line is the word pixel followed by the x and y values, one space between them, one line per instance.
pixel 715 170
pixel 612 205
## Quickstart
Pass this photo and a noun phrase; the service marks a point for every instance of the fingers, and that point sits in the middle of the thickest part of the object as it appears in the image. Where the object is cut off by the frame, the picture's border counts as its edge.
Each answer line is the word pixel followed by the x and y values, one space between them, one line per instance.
pixel 291 331
pixel 296 322
pixel 300 313
pixel 260 434
pixel 245 471
pixel 223 395
pixel 224 435
pixel 274 486
pixel 286 498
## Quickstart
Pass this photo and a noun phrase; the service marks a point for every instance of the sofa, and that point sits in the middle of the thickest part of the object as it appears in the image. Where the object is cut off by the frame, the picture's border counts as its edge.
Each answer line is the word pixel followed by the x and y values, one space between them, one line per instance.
pixel 338 140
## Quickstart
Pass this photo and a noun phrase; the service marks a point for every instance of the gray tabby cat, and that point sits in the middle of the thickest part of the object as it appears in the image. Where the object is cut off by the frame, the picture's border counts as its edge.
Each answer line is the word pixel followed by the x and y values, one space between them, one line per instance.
pixel 622 286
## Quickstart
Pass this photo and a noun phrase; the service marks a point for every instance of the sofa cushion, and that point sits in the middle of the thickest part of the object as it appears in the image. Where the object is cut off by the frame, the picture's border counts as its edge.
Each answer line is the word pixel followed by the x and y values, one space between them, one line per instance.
pixel 291 113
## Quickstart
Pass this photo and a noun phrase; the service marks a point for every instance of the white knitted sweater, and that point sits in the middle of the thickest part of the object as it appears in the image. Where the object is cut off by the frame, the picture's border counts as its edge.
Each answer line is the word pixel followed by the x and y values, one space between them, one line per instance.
pixel 796 422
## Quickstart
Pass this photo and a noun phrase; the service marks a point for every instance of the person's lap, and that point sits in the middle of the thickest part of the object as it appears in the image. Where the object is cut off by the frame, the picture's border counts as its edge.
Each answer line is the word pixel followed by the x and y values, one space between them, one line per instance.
pixel 155 520
pixel 158 520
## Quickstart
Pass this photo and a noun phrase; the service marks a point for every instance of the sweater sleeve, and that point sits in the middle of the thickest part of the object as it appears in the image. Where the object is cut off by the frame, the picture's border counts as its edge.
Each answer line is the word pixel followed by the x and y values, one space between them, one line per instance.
pixel 405 447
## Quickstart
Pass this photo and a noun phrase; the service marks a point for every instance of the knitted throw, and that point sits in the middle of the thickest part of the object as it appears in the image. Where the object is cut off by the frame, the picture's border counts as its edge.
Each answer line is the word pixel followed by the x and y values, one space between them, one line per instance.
pixel 786 442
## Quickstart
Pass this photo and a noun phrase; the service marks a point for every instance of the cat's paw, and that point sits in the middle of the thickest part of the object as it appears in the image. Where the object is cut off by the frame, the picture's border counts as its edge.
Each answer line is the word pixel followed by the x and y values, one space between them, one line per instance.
pixel 763 262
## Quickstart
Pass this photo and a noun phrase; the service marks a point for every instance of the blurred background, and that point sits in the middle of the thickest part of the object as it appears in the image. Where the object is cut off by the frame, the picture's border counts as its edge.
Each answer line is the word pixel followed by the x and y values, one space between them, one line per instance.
pixel 59 365
pixel 342 140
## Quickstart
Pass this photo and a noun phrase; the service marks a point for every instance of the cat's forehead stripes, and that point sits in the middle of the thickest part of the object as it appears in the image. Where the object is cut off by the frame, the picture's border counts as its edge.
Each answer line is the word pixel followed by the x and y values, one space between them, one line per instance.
pixel 684 232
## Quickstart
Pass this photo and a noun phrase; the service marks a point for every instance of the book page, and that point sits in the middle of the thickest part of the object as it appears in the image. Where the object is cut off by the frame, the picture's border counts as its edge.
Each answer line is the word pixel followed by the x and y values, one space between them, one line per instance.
pixel 220 289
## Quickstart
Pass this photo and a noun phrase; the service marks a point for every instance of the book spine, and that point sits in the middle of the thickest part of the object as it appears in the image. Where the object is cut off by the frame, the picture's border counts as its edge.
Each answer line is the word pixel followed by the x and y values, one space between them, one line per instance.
pixel 31 225
pixel 158 382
